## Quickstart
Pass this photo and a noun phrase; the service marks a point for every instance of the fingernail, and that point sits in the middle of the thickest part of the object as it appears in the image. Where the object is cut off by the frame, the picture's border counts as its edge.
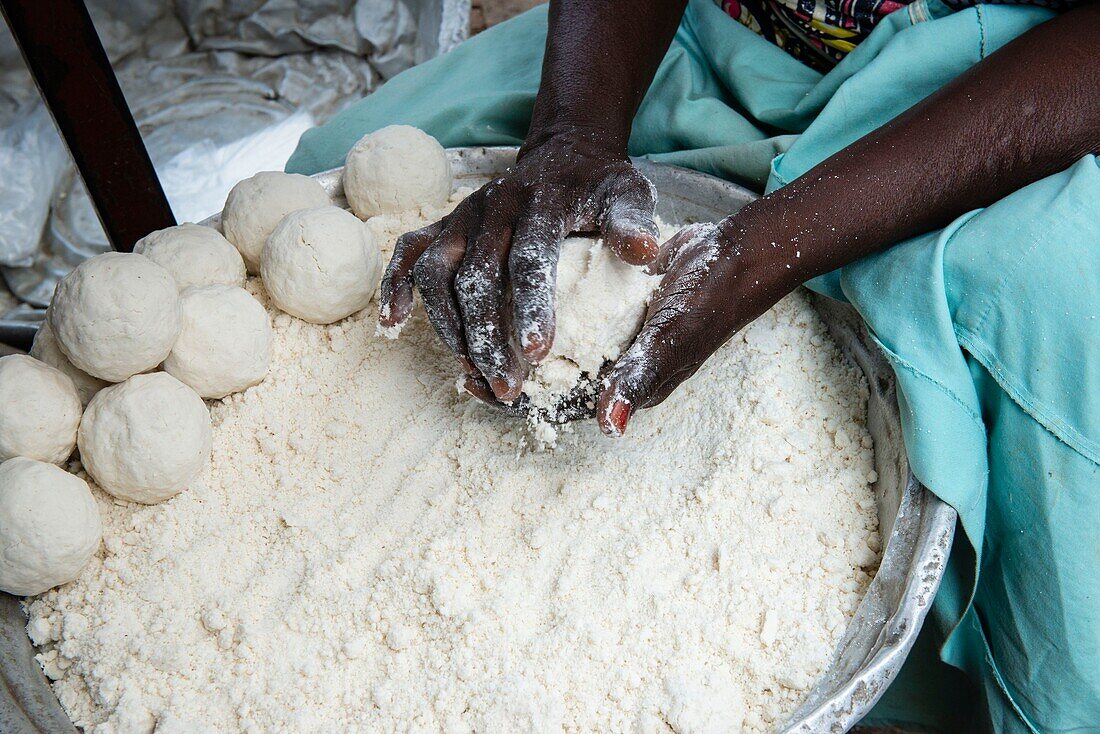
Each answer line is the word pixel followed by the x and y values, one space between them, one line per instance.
pixel 641 250
pixel 535 347
pixel 647 253
pixel 504 391
pixel 470 386
pixel 618 416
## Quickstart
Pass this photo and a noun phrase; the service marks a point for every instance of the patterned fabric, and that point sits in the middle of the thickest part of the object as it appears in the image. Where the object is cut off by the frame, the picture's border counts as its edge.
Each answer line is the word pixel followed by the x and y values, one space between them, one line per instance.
pixel 820 33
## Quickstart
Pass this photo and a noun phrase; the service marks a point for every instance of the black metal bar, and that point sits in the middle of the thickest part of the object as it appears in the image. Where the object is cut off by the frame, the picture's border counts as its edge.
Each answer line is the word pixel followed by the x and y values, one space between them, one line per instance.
pixel 74 75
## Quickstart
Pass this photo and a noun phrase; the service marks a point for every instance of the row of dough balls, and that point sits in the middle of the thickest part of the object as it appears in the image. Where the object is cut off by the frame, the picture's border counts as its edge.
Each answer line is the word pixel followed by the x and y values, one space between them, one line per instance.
pixel 143 440
pixel 317 261
pixel 178 303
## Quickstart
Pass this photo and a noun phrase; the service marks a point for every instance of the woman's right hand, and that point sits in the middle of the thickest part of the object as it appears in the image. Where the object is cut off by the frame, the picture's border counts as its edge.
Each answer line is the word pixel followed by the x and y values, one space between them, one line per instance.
pixel 486 272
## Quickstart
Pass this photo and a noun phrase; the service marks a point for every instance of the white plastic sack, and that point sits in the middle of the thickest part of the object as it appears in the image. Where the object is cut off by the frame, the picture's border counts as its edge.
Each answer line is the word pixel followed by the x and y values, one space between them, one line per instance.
pixel 32 158
pixel 197 180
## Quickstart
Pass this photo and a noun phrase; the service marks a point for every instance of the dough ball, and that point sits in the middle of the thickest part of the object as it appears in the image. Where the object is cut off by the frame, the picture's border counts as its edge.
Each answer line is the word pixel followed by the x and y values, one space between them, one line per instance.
pixel 194 255
pixel 45 349
pixel 321 265
pixel 396 169
pixel 116 315
pixel 146 439
pixel 257 204
pixel 224 344
pixel 49 526
pixel 39 411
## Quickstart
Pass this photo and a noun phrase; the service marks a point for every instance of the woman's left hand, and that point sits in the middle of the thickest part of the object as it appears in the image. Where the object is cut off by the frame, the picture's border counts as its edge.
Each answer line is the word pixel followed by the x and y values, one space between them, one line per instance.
pixel 717 279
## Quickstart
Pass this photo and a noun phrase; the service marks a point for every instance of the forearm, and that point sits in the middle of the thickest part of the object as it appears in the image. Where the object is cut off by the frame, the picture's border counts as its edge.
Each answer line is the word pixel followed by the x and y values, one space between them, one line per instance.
pixel 1026 112
pixel 601 56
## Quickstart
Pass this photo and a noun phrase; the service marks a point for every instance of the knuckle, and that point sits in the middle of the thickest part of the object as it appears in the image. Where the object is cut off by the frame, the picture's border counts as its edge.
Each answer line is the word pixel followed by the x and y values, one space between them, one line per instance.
pixel 393 270
pixel 473 289
pixel 430 267
pixel 530 255
pixel 499 188
pixel 636 186
pixel 535 280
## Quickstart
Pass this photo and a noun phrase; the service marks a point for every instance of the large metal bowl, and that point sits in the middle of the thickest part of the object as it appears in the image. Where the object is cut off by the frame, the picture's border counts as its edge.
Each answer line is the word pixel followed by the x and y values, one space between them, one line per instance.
pixel 917 527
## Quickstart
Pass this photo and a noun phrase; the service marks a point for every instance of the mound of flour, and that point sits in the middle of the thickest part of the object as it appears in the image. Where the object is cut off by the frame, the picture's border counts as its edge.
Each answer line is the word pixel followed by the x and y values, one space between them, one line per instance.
pixel 369 551
pixel 600 305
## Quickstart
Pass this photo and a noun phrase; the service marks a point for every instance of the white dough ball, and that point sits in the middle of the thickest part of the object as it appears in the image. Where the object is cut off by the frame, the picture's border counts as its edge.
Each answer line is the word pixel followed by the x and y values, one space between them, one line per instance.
pixel 116 315
pixel 396 169
pixel 195 255
pixel 45 349
pixel 49 526
pixel 257 204
pixel 321 265
pixel 39 411
pixel 146 439
pixel 224 344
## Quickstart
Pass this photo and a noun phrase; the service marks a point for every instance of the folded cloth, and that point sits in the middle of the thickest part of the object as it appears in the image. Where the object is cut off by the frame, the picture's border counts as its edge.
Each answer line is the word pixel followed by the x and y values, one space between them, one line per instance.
pixel 992 324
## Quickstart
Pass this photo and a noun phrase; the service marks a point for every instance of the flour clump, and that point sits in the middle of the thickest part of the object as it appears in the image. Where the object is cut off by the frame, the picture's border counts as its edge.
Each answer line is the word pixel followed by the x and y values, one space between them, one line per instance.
pixel 195 255
pixel 600 303
pixel 45 349
pixel 396 169
pixel 39 411
pixel 49 526
pixel 257 204
pixel 115 315
pixel 146 439
pixel 321 265
pixel 224 344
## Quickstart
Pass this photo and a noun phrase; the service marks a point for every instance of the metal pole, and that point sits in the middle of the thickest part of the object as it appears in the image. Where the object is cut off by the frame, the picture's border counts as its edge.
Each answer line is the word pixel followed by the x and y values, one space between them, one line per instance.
pixel 74 75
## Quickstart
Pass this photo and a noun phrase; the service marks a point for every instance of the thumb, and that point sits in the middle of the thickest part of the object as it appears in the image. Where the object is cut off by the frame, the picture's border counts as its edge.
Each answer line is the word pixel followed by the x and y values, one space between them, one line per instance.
pixel 645 373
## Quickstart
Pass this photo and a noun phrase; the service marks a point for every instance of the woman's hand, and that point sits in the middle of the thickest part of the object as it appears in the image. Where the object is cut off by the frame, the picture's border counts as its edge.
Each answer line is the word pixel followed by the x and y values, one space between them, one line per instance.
pixel 966 146
pixel 487 271
pixel 717 279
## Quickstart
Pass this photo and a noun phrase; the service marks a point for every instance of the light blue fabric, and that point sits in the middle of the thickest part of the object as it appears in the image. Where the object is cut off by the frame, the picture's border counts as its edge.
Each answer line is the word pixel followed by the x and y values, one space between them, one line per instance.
pixel 992 324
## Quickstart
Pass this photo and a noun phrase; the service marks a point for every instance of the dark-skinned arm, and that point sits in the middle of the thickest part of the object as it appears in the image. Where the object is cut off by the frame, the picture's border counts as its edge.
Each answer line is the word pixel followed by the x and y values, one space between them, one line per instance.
pixel 1027 111
pixel 486 272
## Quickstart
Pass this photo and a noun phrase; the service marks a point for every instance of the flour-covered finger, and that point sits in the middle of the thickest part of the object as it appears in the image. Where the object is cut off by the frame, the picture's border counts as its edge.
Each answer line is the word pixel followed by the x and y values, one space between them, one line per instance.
pixel 477 387
pixel 434 276
pixel 628 224
pixel 533 265
pixel 656 356
pixel 482 293
pixel 396 294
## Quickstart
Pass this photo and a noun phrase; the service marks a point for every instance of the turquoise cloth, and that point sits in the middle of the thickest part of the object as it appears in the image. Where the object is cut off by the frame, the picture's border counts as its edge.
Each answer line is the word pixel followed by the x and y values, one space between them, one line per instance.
pixel 992 324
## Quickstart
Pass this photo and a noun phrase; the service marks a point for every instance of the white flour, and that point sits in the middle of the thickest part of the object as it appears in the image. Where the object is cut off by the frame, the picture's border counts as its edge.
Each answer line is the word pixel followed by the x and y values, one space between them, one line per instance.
pixel 371 552
pixel 600 305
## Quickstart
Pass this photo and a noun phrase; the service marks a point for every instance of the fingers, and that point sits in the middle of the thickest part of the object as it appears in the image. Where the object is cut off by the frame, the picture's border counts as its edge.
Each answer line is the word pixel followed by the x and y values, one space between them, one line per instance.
pixel 628 225
pixel 476 386
pixel 639 375
pixel 434 275
pixel 675 337
pixel 396 296
pixel 533 266
pixel 482 293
